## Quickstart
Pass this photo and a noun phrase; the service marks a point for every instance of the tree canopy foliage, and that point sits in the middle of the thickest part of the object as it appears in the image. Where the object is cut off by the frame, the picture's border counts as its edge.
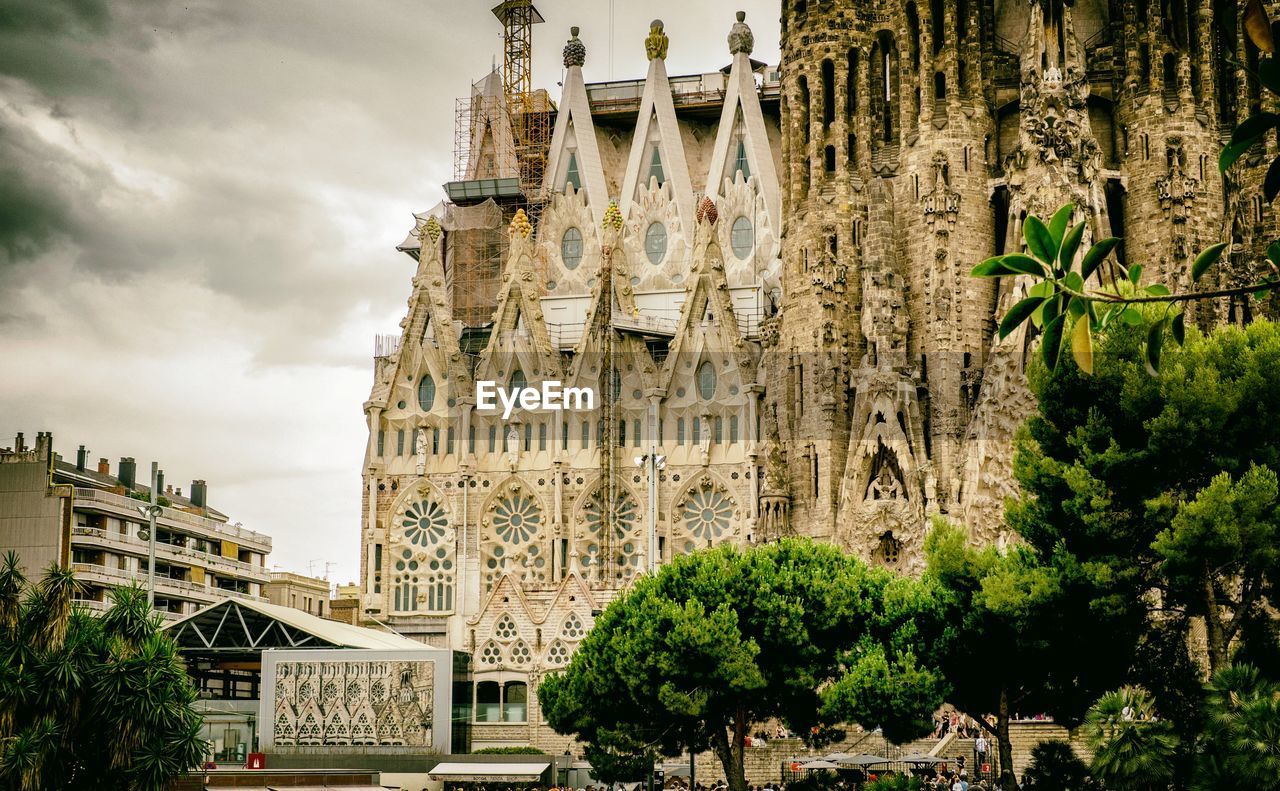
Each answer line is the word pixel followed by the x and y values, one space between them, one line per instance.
pixel 721 639
pixel 89 702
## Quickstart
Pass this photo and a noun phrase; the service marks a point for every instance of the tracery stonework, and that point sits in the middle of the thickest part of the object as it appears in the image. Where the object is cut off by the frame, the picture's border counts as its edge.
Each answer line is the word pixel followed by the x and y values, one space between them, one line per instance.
pixel 776 299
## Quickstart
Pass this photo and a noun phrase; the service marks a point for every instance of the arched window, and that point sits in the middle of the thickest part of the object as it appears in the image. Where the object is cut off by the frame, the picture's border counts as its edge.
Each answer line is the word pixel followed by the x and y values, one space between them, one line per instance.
pixel 938 24
pixel 913 36
pixel 571 175
pixel 1169 66
pixel 655 167
pixel 571 248
pixel 515 702
pixel 488 698
pixel 828 92
pixel 851 85
pixel 742 238
pixel 829 158
pixel 740 162
pixel 655 242
pixel 706 380
pixel 426 392
pixel 940 87
pixel 518 382
pixel 804 113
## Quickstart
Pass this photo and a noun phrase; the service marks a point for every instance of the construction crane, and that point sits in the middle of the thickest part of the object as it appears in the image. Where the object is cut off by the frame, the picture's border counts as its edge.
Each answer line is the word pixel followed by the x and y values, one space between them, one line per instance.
pixel 530 112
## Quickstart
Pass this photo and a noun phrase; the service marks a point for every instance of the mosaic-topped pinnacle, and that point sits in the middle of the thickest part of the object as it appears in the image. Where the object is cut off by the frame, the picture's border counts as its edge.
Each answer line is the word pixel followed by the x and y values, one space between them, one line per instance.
pixel 741 38
pixel 655 45
pixel 575 52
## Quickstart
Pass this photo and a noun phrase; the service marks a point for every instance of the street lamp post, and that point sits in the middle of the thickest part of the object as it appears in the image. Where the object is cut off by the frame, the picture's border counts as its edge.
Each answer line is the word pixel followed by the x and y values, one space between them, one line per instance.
pixel 151 511
pixel 652 464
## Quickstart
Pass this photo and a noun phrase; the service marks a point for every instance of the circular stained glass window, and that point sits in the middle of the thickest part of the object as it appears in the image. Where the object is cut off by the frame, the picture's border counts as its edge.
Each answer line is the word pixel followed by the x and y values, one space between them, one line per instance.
pixel 516 518
pixel 655 242
pixel 707 513
pixel 707 380
pixel 426 393
pixel 742 238
pixel 424 522
pixel 571 248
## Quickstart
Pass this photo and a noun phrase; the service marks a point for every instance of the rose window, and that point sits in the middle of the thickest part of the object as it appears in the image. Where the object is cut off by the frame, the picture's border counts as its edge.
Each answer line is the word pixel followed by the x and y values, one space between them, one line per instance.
pixel 573 628
pixel 520 653
pixel 424 522
pixel 505 628
pixel 707 514
pixel 558 654
pixel 490 654
pixel 626 546
pixel 516 518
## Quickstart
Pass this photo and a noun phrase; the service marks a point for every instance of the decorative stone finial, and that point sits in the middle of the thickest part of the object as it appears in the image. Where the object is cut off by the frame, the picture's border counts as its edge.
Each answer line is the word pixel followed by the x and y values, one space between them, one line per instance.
pixel 655 46
pixel 575 52
pixel 432 229
pixel 612 217
pixel 707 211
pixel 520 225
pixel 741 39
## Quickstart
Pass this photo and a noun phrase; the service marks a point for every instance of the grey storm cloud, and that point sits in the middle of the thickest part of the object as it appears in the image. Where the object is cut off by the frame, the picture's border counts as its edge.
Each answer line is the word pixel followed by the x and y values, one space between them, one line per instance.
pixel 199 203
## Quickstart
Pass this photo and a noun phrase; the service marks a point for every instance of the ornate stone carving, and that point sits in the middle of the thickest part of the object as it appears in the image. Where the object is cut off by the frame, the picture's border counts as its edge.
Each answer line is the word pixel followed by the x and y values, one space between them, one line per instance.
pixel 741 39
pixel 575 52
pixel 655 45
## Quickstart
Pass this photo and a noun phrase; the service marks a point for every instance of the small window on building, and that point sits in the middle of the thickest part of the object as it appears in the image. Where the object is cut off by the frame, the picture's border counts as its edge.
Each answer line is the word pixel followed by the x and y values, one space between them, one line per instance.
pixel 655 167
pixel 518 383
pixel 733 429
pixel 493 439
pixel 426 392
pixel 571 248
pixel 571 175
pixel 707 380
pixel 655 242
pixel 740 162
pixel 742 238
pixel 400 442
pixel 542 436
pixel 697 431
pixel 382 442
pixel 680 431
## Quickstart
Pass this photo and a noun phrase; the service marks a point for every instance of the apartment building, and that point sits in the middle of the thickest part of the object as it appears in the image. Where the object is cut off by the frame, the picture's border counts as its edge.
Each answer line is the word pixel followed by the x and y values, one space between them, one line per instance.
pixel 57 511
pixel 309 594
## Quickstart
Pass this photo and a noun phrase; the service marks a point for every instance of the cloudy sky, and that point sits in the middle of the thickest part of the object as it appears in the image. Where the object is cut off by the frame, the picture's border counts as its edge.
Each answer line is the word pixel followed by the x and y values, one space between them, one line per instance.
pixel 199 203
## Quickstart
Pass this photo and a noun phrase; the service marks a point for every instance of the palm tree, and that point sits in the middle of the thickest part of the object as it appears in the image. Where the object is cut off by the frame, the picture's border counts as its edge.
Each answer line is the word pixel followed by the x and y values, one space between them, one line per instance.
pixel 1243 742
pixel 1132 749
pixel 68 678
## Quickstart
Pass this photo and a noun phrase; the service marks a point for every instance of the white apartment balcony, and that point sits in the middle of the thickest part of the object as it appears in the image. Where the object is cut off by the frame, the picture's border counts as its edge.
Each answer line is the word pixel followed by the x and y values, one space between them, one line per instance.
pixel 99 607
pixel 204 594
pixel 97 537
pixel 120 505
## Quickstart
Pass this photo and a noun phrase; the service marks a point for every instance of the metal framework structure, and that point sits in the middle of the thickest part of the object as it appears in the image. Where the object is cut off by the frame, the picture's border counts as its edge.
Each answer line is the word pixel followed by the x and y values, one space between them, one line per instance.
pixel 530 111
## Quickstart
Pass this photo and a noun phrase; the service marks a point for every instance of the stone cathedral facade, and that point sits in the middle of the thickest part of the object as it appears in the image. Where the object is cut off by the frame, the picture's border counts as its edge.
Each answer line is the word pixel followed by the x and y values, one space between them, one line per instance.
pixel 763 272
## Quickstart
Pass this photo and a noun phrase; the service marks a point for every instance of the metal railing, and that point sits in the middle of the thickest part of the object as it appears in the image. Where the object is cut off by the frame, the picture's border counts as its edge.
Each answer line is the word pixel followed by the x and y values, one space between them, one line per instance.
pixel 176 551
pixel 219 529
pixel 125 576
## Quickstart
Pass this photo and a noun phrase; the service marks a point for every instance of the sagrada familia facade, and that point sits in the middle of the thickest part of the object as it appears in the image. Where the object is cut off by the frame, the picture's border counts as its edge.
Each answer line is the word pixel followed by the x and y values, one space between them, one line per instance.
pixel 763 272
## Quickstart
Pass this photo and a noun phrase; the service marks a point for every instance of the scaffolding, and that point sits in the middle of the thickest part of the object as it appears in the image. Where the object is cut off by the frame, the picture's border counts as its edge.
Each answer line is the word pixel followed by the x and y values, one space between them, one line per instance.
pixel 530 111
pixel 502 131
pixel 475 247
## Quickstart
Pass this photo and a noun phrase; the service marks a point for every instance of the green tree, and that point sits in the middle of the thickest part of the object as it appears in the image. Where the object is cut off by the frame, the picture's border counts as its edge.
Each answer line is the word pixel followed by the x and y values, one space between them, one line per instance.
pixel 1242 741
pixel 1221 554
pixel 722 639
pixel 1118 475
pixel 1055 767
pixel 85 702
pixel 1133 750
pixel 1018 620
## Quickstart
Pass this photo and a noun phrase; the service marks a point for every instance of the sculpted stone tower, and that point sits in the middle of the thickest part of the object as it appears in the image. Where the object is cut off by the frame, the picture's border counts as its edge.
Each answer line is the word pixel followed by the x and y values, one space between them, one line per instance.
pixel 882 335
